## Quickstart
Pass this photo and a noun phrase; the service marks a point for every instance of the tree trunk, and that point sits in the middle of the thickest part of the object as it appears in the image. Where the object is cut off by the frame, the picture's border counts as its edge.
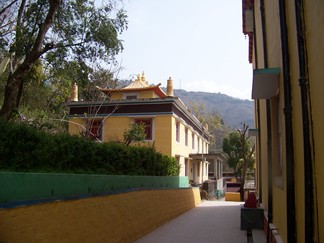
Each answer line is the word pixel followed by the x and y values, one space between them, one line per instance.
pixel 9 101
pixel 244 166
pixel 15 81
pixel 243 180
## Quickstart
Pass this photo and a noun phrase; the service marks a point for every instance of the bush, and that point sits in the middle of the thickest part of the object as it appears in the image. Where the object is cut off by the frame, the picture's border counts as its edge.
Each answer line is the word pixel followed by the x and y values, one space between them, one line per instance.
pixel 24 148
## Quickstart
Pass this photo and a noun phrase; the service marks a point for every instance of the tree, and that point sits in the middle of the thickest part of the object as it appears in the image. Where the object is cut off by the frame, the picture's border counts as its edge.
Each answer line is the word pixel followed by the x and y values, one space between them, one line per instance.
pixel 232 147
pixel 59 30
pixel 247 156
pixel 215 123
pixel 136 133
pixel 240 151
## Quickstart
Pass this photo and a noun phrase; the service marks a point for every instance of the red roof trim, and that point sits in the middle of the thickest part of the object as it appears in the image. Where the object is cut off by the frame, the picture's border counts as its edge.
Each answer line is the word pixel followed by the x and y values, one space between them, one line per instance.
pixel 246 5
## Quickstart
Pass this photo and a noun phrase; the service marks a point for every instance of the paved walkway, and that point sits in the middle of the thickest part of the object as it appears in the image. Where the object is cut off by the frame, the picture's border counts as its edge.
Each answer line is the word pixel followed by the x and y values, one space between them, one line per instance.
pixel 211 221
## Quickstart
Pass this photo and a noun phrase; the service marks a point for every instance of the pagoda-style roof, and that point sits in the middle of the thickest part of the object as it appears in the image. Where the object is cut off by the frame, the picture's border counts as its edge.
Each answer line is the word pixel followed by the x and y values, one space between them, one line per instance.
pixel 139 84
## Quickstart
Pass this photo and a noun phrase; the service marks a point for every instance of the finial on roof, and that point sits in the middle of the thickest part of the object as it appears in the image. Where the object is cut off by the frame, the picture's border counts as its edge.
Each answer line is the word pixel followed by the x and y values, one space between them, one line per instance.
pixel 170 87
pixel 74 93
pixel 138 77
pixel 143 79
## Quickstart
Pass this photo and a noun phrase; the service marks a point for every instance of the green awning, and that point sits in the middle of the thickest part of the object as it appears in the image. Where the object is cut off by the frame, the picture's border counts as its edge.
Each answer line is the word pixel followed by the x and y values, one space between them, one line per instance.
pixel 265 83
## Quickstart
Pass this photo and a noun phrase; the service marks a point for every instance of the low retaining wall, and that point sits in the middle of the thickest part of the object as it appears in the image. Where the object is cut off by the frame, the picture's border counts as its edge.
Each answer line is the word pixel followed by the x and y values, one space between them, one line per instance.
pixel 114 218
pixel 24 188
pixel 233 196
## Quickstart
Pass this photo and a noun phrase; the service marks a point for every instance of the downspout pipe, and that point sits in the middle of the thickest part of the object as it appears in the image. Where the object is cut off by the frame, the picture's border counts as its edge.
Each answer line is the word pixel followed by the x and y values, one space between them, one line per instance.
pixel 303 83
pixel 268 112
pixel 258 115
pixel 290 168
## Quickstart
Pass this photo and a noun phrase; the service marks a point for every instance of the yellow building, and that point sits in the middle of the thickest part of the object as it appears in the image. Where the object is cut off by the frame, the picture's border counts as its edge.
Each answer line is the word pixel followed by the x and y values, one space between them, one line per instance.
pixel 169 126
pixel 286 49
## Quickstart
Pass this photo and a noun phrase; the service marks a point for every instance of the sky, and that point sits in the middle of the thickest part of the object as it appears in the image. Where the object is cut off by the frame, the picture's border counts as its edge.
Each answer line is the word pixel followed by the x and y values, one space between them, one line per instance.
pixel 199 44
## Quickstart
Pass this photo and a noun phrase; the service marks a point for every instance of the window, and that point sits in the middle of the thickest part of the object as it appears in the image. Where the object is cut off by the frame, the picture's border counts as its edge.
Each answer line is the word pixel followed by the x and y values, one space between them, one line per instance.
pixel 130 96
pixel 193 140
pixel 95 129
pixel 178 131
pixel 147 122
pixel 198 141
pixel 186 166
pixel 186 136
pixel 198 169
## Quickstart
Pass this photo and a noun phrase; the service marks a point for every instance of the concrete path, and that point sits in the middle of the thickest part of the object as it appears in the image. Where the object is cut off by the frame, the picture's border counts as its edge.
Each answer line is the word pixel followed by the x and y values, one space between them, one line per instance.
pixel 211 221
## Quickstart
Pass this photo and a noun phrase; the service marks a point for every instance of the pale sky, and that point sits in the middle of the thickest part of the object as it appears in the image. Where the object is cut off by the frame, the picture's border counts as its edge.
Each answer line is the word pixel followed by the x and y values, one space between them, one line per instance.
pixel 199 44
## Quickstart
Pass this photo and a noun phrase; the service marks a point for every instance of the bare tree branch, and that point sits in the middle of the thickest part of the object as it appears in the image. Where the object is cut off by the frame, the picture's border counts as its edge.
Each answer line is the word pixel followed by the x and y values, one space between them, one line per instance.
pixel 7 7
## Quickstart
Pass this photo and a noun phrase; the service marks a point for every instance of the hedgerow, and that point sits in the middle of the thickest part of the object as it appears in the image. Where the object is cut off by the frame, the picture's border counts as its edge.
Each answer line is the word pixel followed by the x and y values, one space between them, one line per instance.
pixel 26 149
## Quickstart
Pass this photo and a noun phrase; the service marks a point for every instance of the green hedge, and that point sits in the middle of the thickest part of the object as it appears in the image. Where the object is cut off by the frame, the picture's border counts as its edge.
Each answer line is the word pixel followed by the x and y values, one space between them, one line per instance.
pixel 23 148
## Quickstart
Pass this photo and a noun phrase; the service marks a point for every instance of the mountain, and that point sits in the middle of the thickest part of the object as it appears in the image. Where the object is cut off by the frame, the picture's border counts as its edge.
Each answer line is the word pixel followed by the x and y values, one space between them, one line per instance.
pixel 234 111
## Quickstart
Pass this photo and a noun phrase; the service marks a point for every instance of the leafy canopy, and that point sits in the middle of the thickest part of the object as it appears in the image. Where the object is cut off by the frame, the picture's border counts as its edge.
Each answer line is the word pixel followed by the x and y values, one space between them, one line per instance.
pixel 136 133
pixel 75 35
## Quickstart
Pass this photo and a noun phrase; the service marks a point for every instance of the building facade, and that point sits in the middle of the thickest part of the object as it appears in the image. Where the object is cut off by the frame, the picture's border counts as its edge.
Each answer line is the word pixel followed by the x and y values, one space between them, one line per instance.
pixel 169 126
pixel 286 51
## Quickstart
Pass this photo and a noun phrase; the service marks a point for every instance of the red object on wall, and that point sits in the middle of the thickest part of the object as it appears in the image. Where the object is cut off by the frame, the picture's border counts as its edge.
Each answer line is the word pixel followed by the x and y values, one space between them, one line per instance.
pixel 251 202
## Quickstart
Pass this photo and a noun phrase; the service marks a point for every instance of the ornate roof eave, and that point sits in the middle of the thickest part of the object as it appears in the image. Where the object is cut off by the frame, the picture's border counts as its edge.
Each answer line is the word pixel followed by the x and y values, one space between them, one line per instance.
pixel 248 5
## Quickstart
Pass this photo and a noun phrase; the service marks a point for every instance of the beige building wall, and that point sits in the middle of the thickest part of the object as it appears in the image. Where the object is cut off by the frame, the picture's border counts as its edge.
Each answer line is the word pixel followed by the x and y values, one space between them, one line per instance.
pixel 314 18
pixel 314 26
pixel 297 123
pixel 181 151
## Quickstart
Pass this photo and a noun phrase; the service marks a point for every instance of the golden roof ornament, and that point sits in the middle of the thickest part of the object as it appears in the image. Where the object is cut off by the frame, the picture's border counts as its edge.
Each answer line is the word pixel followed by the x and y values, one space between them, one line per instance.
pixel 138 77
pixel 74 93
pixel 143 77
pixel 170 87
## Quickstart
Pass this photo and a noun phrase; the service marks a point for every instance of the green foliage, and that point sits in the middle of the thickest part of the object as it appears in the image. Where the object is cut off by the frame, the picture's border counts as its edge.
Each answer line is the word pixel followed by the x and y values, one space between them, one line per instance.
pixel 240 151
pixel 23 148
pixel 215 124
pixel 136 133
pixel 233 148
pixel 69 39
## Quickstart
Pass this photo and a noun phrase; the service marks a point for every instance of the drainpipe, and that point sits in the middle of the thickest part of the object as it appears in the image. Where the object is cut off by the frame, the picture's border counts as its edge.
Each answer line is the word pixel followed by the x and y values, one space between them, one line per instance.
pixel 303 83
pixel 265 55
pixel 290 169
pixel 258 114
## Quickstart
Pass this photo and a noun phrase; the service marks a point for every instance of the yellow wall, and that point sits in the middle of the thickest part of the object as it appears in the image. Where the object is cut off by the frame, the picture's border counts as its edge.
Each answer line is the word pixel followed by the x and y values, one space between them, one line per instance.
pixel 76 126
pixel 116 96
pixel 273 47
pixel 163 133
pixel 147 94
pixel 182 151
pixel 115 218
pixel 141 94
pixel 114 128
pixel 315 48
pixel 297 124
pixel 264 154
pixel 314 17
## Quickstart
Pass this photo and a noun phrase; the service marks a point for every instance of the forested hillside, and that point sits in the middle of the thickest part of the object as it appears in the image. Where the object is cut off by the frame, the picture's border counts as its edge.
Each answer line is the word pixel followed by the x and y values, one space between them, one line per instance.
pixel 234 111
pixel 222 113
